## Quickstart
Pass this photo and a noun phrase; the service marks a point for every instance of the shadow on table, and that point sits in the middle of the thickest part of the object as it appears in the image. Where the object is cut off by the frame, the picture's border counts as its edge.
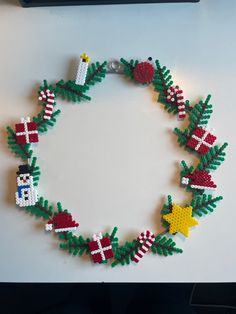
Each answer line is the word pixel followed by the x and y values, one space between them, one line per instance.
pixel 118 298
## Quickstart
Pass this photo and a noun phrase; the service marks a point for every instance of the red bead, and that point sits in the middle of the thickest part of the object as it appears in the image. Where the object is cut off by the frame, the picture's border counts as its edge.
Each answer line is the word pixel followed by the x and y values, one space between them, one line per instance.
pixel 144 72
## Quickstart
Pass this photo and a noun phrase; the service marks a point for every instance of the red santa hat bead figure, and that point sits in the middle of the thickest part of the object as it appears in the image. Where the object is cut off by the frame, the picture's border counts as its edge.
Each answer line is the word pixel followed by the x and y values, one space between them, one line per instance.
pixel 144 72
pixel 61 222
pixel 26 194
pixel 200 180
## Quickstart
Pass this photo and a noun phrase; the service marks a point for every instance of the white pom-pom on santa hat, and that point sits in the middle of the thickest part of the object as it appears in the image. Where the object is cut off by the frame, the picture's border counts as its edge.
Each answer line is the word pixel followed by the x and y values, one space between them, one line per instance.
pixel 185 181
pixel 48 227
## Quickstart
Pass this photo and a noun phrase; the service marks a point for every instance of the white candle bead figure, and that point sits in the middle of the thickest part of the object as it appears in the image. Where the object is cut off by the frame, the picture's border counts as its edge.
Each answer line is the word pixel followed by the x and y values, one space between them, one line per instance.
pixel 26 194
pixel 82 69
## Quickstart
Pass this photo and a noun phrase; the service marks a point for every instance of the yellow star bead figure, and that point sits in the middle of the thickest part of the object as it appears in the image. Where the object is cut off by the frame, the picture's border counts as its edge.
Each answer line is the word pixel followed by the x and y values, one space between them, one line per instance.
pixel 180 219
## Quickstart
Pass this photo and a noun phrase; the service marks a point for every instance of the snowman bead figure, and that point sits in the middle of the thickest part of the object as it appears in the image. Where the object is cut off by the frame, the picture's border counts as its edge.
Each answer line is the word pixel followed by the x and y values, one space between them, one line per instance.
pixel 26 194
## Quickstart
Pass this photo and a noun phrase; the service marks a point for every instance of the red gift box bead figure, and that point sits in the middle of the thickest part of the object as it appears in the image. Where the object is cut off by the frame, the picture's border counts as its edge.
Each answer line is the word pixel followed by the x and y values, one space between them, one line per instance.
pixel 100 248
pixel 201 140
pixel 26 132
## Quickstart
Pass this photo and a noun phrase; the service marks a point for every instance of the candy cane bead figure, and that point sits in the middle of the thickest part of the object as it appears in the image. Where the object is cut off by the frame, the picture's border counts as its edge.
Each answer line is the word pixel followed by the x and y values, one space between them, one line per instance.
pixel 48 97
pixel 147 239
pixel 175 94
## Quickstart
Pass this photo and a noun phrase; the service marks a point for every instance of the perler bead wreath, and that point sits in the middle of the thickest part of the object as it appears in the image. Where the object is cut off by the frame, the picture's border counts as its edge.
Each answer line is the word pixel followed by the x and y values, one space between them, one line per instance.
pixel 197 138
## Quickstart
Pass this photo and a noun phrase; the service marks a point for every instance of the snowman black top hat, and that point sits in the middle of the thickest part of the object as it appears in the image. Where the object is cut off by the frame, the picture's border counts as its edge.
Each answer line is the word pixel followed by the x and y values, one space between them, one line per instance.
pixel 24 169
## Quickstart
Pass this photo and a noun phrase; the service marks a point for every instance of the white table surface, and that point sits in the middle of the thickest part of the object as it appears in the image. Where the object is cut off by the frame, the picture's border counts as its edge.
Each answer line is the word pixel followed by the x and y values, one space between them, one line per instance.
pixel 113 161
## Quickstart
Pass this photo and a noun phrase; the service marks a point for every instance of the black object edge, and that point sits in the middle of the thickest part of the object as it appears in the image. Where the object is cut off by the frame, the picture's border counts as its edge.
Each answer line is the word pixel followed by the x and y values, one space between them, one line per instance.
pixel 37 3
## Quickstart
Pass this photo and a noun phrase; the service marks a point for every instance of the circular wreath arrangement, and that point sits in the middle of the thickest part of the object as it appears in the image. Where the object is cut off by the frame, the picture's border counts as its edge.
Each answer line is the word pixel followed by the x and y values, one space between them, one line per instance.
pixel 196 138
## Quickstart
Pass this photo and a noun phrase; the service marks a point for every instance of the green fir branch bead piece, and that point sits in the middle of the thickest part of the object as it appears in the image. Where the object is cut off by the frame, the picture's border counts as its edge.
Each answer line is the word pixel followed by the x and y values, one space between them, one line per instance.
pixel 96 73
pixel 44 125
pixel 114 240
pixel 213 159
pixel 186 170
pixel 76 93
pixel 72 92
pixel 165 246
pixel 182 136
pixel 60 209
pixel 41 209
pixel 166 209
pixel 129 67
pixel 204 204
pixel 35 170
pixel 200 114
pixel 22 151
pixel 161 82
pixel 78 245
pixel 47 86
pixel 75 245
pixel 125 253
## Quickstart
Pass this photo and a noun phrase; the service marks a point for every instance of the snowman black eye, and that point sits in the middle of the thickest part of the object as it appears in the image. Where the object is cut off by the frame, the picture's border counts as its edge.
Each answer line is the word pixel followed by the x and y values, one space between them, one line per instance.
pixel 27 177
pixel 21 178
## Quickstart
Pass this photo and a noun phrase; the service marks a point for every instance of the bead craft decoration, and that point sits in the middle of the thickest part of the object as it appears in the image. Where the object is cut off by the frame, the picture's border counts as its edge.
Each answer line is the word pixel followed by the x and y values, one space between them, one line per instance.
pixel 82 69
pixel 147 239
pixel 175 95
pixel 196 138
pixel 61 222
pixel 180 219
pixel 26 132
pixel 26 194
pixel 199 180
pixel 48 98
pixel 100 248
pixel 201 140
pixel 144 72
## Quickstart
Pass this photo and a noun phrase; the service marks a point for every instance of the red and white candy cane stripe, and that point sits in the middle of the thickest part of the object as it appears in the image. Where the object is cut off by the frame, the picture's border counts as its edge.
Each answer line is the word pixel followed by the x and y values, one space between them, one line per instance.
pixel 174 93
pixel 147 239
pixel 48 97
